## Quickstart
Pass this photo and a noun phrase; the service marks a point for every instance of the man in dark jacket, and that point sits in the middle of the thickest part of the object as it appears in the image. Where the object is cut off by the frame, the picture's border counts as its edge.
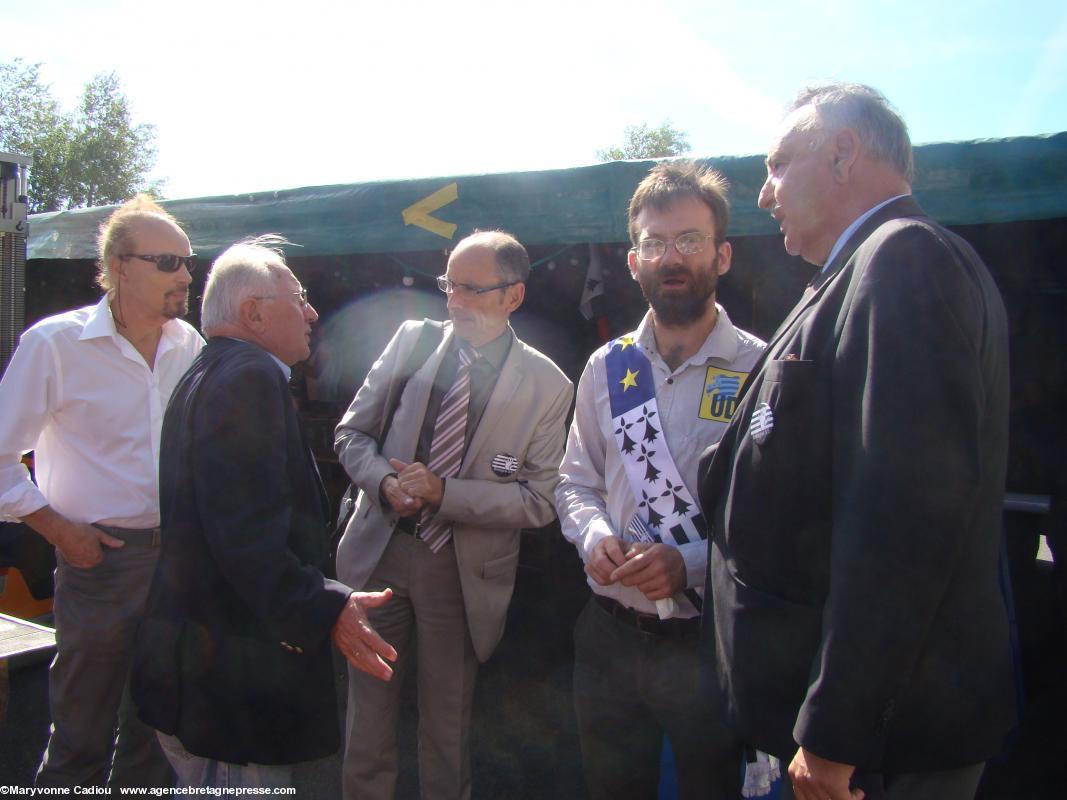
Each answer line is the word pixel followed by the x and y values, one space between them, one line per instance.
pixel 857 626
pixel 233 664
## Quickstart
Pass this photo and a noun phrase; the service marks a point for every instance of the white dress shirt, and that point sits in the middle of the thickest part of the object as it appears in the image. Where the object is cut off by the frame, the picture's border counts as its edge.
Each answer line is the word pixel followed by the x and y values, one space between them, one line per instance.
pixel 594 497
pixel 80 395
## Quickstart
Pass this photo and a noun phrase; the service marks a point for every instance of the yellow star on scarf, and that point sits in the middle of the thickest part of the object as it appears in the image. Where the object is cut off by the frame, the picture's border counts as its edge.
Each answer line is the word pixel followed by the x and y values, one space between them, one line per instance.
pixel 625 341
pixel 630 380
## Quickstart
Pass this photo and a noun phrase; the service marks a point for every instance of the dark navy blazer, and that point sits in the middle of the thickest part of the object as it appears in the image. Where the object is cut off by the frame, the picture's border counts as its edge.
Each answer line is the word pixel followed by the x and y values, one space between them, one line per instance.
pixel 233 656
pixel 853 563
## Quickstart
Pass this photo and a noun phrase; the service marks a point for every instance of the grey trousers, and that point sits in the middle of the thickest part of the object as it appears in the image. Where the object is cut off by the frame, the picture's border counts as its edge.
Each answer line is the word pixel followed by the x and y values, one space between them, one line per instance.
pixel 950 784
pixel 96 736
pixel 427 615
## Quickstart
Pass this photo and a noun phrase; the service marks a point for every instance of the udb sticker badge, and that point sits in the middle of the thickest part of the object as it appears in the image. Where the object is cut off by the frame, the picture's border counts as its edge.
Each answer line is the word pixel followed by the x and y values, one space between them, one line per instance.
pixel 721 387
pixel 762 423
pixel 504 464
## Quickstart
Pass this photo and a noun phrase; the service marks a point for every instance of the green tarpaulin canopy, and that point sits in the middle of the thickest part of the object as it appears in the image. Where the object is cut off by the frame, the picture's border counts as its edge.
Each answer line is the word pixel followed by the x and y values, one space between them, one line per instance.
pixel 959 183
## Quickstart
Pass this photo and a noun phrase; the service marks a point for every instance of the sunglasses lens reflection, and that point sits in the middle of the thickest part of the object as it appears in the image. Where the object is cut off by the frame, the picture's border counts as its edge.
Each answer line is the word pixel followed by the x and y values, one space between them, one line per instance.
pixel 172 263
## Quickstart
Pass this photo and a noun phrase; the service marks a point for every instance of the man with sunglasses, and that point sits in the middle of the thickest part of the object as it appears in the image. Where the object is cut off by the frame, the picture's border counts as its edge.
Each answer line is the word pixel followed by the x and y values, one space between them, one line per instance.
pixel 469 460
pixel 648 404
pixel 86 391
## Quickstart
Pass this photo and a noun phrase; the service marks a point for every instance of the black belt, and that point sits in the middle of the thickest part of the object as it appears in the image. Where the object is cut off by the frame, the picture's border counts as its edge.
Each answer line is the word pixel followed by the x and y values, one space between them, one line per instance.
pixel 132 536
pixel 675 627
pixel 408 525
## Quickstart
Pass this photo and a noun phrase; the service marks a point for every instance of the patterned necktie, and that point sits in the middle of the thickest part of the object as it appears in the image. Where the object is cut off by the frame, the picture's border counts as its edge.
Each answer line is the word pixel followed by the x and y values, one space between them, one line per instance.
pixel 446 446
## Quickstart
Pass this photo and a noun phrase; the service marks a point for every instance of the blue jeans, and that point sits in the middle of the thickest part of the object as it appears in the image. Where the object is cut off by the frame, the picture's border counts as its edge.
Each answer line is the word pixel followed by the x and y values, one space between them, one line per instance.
pixel 199 772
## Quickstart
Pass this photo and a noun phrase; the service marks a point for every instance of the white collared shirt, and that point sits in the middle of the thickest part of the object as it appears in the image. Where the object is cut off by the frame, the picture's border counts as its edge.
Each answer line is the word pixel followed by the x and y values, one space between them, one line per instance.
pixel 594 498
pixel 851 229
pixel 79 395
pixel 287 371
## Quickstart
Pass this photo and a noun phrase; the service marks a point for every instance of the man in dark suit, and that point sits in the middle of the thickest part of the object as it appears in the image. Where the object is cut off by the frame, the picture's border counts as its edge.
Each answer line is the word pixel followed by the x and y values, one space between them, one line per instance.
pixel 857 627
pixel 233 664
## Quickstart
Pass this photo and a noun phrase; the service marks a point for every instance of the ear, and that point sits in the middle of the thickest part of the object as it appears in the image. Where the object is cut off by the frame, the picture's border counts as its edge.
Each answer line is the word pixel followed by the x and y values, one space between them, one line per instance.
pixel 250 314
pixel 845 150
pixel 515 295
pixel 726 254
pixel 631 262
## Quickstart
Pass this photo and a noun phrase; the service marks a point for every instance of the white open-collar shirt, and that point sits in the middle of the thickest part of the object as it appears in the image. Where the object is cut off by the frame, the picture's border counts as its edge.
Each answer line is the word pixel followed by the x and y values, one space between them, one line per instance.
pixel 80 395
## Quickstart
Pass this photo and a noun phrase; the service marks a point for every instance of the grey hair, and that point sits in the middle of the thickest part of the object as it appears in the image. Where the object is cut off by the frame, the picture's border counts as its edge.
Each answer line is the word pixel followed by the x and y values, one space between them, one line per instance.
pixel 246 269
pixel 512 260
pixel 867 112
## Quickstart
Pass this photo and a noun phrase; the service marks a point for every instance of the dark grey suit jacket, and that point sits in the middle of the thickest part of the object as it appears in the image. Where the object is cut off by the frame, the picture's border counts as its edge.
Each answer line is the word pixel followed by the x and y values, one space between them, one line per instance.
pixel 853 566
pixel 234 654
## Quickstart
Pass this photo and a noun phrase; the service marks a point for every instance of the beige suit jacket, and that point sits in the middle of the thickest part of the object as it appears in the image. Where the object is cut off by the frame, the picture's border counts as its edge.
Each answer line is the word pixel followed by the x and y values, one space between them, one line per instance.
pixel 525 417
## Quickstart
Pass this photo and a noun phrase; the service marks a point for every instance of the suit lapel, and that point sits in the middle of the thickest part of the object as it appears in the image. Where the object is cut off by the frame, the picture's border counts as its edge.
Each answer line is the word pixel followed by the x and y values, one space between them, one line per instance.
pixel 404 432
pixel 507 384
pixel 904 207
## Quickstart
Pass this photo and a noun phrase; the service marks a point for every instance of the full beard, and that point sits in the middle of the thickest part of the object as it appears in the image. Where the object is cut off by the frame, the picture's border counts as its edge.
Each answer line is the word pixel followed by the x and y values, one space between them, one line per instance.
pixel 680 308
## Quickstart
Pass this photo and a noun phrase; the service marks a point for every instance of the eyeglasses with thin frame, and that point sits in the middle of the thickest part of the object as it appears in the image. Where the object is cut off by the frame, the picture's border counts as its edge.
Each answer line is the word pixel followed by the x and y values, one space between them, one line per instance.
pixel 302 295
pixel 449 286
pixel 688 244
pixel 166 262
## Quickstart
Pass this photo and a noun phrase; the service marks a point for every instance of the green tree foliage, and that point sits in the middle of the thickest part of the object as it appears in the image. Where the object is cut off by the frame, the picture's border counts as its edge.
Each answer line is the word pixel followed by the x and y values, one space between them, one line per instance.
pixel 109 155
pixel 641 141
pixel 93 156
pixel 33 124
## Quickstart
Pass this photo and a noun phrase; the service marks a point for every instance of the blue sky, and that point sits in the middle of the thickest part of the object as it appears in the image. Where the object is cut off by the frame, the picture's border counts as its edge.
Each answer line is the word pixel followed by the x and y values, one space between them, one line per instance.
pixel 253 96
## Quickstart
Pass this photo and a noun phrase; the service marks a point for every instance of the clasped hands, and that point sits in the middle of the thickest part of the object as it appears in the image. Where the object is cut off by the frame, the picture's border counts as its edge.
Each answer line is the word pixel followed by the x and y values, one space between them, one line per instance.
pixel 656 570
pixel 413 487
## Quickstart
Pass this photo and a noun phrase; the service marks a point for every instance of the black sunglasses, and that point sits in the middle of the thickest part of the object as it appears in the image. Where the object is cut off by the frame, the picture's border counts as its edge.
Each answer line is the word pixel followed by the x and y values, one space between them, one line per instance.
pixel 166 262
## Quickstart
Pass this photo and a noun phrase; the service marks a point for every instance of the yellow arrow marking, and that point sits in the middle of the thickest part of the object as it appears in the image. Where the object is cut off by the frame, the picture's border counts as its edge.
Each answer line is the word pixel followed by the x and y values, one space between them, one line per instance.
pixel 419 213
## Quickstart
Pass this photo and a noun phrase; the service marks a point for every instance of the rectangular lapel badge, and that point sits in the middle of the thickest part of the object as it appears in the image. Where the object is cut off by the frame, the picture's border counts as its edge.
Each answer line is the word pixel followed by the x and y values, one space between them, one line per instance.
pixel 721 387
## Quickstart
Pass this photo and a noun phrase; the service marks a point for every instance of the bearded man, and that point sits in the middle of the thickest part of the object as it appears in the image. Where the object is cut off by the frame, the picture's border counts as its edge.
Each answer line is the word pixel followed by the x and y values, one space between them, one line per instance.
pixel 648 405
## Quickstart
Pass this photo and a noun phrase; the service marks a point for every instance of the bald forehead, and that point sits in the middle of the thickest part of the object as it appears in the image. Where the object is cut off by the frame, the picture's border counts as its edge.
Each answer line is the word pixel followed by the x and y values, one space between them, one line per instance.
pixel 488 240
pixel 156 229
pixel 154 222
pixel 283 276
pixel 477 247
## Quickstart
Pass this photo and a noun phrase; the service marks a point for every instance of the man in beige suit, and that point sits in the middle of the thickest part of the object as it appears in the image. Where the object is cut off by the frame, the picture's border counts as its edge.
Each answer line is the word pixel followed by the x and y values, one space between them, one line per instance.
pixel 469 459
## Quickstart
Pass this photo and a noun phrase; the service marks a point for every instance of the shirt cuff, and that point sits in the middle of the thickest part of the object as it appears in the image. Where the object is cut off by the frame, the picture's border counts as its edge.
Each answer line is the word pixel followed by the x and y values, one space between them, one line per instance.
pixel 695 556
pixel 21 499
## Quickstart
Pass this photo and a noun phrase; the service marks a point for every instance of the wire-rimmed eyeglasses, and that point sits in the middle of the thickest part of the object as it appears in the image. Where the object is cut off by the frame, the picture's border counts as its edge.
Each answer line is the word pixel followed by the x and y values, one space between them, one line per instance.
pixel 449 286
pixel 688 244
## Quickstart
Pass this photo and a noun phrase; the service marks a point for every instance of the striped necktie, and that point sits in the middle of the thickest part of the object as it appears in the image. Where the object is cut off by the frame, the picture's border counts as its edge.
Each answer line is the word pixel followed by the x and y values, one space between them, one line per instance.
pixel 446 446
